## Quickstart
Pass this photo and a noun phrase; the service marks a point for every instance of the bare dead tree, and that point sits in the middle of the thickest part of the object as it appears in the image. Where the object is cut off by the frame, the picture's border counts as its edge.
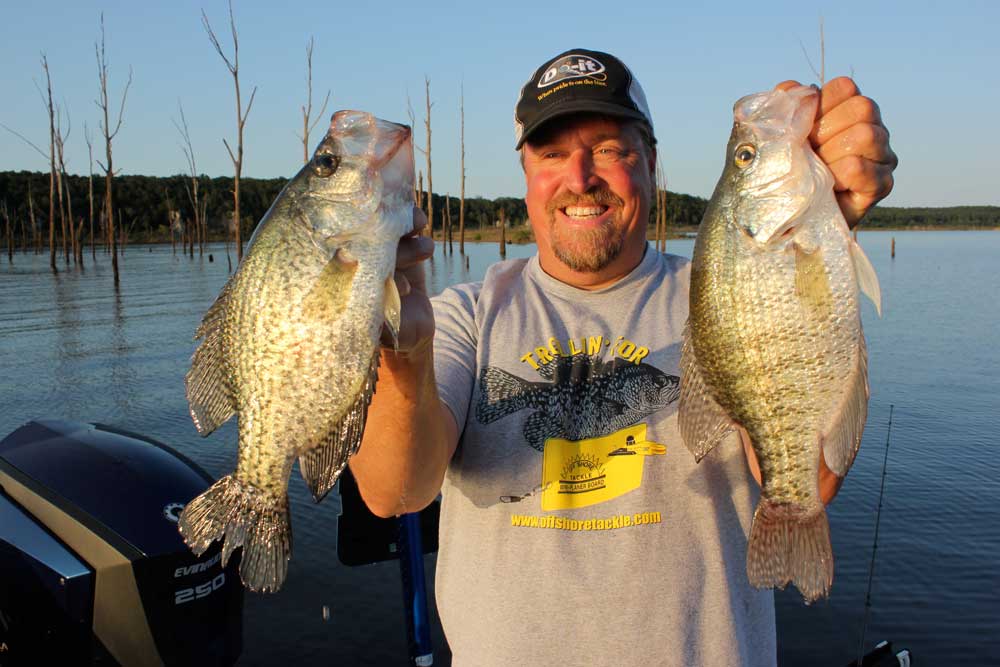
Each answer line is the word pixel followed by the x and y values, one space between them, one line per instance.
pixel 307 108
pixel 192 187
pixel 62 188
pixel 503 234
pixel 241 119
pixel 10 237
pixel 430 178
pixel 447 222
pixel 36 239
pixel 418 191
pixel 52 166
pixel 90 189
pixel 109 135
pixel 461 201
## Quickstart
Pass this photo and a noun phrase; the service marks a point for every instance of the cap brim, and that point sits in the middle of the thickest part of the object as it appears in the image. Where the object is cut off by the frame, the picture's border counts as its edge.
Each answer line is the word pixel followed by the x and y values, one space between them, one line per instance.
pixel 578 106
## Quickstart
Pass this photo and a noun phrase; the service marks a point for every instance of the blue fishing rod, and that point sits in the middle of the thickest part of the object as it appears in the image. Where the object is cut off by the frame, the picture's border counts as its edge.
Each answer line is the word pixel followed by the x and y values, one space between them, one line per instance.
pixel 363 538
pixel 411 570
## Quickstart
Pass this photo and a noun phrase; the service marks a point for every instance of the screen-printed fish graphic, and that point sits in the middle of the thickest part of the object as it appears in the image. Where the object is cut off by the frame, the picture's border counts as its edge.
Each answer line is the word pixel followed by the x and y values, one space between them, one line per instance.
pixel 580 397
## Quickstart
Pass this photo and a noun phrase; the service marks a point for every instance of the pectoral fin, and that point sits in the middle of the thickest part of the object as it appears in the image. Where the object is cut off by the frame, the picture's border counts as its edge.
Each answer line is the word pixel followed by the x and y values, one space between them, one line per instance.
pixel 867 279
pixel 207 384
pixel 393 308
pixel 322 465
pixel 702 421
pixel 840 441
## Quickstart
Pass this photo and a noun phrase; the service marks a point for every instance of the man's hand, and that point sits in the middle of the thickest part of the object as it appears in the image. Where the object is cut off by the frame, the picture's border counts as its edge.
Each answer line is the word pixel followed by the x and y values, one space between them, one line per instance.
pixel 849 136
pixel 416 325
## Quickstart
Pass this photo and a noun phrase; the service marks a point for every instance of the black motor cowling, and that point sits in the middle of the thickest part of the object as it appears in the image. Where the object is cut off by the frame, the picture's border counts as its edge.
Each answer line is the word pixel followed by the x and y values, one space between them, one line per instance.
pixel 92 568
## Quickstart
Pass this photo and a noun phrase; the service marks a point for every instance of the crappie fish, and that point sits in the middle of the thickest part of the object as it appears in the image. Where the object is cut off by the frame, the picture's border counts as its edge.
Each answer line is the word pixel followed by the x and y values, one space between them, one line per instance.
pixel 291 344
pixel 581 397
pixel 774 341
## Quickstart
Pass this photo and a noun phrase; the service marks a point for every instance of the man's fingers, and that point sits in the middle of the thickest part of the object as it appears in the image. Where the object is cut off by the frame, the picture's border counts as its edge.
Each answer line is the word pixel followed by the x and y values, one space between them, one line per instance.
pixel 419 221
pixel 787 85
pixel 413 250
pixel 852 111
pixel 402 284
pixel 835 92
pixel 860 184
pixel 864 140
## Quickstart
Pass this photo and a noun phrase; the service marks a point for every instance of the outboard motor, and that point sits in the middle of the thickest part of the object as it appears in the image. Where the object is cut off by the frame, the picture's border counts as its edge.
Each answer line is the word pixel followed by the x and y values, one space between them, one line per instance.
pixel 92 568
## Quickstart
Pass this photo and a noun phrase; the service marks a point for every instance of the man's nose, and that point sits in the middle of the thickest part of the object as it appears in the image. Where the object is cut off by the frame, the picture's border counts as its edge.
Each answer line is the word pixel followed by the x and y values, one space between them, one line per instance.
pixel 580 174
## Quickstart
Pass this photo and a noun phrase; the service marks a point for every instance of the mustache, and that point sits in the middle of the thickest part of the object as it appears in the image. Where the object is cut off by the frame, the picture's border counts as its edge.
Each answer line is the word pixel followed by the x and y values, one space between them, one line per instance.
pixel 597 197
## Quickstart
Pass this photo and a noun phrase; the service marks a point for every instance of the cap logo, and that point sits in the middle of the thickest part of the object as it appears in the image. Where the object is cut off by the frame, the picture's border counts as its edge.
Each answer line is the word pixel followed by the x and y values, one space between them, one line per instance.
pixel 572 67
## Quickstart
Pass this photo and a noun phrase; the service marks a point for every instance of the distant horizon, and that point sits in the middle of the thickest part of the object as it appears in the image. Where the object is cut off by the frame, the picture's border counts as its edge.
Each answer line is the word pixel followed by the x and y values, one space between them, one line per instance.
pixel 885 203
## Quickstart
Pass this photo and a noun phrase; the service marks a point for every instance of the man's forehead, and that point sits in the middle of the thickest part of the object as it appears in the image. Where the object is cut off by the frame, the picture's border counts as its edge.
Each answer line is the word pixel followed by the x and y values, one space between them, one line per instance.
pixel 598 126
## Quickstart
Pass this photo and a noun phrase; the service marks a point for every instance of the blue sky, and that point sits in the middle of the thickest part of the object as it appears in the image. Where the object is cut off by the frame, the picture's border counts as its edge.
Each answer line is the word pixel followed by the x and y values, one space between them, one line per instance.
pixel 932 67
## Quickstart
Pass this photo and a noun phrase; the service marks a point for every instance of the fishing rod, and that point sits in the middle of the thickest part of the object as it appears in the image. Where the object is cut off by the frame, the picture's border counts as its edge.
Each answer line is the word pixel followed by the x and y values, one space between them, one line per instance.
pixel 878 518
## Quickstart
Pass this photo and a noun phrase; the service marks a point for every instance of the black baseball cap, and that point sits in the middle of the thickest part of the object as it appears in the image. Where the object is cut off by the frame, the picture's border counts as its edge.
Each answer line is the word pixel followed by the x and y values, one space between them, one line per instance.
pixel 579 80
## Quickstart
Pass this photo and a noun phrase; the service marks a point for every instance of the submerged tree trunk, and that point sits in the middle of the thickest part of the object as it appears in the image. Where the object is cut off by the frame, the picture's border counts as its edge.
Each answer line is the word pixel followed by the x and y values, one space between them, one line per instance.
pixel 430 178
pixel 503 235
pixel 109 135
pixel 461 201
pixel 241 119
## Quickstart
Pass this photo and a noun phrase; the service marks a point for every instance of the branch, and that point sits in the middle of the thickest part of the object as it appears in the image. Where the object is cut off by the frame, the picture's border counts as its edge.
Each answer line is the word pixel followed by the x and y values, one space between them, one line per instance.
pixel 319 116
pixel 231 156
pixel 121 109
pixel 243 120
pixel 215 41
pixel 25 140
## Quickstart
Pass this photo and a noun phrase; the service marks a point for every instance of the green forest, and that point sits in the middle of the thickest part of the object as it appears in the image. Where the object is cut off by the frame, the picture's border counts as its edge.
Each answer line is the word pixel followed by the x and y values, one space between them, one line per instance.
pixel 143 204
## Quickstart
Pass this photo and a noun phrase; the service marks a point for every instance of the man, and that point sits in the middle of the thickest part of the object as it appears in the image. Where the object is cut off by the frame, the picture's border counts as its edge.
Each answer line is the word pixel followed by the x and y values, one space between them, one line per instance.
pixel 575 527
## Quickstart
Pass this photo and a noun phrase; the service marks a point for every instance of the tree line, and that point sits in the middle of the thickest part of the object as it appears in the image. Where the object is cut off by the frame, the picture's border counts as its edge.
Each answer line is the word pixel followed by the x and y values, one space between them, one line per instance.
pixel 151 208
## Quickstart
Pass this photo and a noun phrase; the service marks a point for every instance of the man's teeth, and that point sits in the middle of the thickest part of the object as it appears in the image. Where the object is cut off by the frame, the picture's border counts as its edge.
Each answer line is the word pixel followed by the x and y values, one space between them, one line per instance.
pixel 584 211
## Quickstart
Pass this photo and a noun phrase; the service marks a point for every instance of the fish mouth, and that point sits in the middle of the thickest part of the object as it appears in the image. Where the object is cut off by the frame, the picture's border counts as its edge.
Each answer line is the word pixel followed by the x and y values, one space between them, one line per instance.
pixel 395 135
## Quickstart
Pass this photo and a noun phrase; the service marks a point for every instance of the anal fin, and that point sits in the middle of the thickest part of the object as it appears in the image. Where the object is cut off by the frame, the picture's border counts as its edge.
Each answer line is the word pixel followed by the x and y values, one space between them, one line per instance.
pixel 702 421
pixel 322 465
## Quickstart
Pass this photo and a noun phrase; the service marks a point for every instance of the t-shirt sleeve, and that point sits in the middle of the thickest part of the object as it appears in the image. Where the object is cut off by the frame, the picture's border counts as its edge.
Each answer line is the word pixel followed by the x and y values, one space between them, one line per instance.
pixel 455 341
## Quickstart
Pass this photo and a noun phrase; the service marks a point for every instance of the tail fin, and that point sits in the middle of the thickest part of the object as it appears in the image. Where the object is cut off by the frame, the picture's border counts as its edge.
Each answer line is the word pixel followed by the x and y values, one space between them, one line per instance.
pixel 245 517
pixel 502 394
pixel 790 543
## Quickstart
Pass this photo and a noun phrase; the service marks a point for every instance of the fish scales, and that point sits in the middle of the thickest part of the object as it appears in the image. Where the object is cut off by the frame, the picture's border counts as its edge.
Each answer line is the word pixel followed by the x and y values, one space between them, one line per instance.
pixel 291 344
pixel 774 342
pixel 583 397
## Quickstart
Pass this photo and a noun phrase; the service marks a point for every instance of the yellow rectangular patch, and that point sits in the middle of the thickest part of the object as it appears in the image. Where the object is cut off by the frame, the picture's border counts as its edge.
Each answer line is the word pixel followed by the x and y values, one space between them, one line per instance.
pixel 580 473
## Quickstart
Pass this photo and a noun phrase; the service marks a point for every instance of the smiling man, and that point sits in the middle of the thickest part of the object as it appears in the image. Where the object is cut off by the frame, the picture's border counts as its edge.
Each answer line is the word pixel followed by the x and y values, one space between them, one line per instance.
pixel 542 404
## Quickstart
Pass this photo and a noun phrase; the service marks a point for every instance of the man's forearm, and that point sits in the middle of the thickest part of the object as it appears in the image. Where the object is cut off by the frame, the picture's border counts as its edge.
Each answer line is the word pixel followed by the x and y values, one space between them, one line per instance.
pixel 409 437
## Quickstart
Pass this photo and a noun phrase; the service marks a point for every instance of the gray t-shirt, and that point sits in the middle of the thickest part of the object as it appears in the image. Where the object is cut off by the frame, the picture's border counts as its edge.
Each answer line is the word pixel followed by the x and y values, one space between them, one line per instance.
pixel 576 529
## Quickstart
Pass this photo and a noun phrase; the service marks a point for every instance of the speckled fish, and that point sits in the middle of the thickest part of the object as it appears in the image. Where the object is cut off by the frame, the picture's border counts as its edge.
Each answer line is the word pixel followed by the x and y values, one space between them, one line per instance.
pixel 774 341
pixel 291 343
pixel 581 397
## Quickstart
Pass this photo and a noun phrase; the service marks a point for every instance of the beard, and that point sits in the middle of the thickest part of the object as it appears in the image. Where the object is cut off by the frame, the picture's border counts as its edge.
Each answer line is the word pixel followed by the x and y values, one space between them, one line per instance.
pixel 587 250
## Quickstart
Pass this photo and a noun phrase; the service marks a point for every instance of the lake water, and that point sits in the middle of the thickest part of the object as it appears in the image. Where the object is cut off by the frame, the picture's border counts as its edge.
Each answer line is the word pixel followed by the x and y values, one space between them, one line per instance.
pixel 73 349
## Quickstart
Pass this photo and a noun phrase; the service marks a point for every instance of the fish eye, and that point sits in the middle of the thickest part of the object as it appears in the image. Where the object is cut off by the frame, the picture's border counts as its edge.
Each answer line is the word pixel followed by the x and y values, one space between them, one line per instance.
pixel 325 164
pixel 744 155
